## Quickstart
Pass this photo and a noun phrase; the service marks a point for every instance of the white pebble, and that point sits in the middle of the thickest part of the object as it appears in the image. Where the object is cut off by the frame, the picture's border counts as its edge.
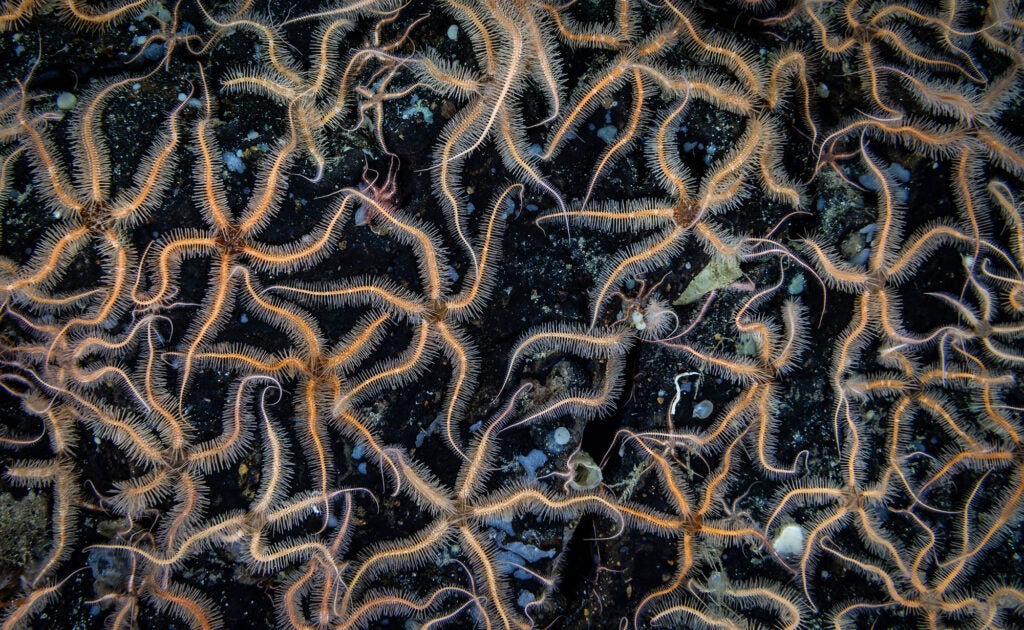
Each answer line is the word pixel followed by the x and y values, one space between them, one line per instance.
pixel 703 409
pixel 66 101
pixel 790 541
pixel 562 436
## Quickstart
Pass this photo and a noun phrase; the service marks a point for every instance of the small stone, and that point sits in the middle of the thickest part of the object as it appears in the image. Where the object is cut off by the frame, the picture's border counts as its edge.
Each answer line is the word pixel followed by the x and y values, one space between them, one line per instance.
pixel 790 541
pixel 607 133
pixel 562 436
pixel 703 409
pixel 66 101
pixel 796 285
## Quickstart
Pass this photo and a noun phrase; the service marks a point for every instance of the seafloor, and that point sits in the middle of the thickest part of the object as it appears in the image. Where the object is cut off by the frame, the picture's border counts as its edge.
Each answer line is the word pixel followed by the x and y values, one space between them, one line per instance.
pixel 505 313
